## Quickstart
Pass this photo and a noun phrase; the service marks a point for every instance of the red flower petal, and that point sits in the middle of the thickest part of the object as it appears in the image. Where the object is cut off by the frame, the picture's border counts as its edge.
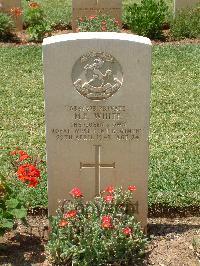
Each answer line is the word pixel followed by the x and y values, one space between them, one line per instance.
pixel 63 223
pixel 110 189
pixel 28 172
pixel 106 218
pixel 108 198
pixel 34 5
pixel 92 17
pixel 70 214
pixel 76 193
pixel 24 157
pixel 33 182
pixel 127 231
pixel 16 11
pixel 132 188
pixel 106 221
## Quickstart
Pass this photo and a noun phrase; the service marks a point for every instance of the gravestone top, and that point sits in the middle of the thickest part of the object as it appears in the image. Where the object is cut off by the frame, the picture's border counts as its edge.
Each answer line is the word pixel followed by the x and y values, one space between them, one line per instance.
pixel 96 35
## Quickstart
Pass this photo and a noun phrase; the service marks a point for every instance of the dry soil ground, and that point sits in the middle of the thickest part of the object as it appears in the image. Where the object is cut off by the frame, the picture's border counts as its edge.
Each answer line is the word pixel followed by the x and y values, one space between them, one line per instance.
pixel 174 242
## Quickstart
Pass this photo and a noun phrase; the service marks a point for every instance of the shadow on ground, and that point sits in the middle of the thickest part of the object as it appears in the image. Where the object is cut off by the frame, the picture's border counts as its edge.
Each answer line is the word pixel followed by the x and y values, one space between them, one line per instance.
pixel 25 246
pixel 23 250
pixel 166 228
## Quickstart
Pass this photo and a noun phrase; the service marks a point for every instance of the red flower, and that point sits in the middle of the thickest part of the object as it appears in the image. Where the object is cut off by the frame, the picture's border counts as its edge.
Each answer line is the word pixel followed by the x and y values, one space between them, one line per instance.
pixel 23 155
pixel 80 19
pixel 127 231
pixel 106 225
pixel 16 11
pixel 104 22
pixel 28 172
pixel 104 28
pixel 63 223
pixel 33 182
pixel 117 21
pixel 110 189
pixel 106 218
pixel 76 193
pixel 132 188
pixel 70 214
pixel 14 152
pixel 92 17
pixel 108 198
pixel 106 222
pixel 34 5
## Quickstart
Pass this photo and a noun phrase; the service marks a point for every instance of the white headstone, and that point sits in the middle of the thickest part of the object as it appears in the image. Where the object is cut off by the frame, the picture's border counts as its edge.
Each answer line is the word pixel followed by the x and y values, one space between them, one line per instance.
pixel 180 4
pixel 87 8
pixel 97 114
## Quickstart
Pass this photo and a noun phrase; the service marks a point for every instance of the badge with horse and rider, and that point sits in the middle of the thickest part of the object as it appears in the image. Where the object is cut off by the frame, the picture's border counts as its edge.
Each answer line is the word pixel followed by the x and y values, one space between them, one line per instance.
pixel 97 76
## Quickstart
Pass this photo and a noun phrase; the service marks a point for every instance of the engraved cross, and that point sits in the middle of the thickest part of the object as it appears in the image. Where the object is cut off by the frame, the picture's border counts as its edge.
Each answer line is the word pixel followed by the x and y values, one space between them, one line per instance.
pixel 97 165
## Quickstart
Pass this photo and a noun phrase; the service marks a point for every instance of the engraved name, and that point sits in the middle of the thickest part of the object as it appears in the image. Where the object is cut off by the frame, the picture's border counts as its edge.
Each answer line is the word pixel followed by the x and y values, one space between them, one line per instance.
pixel 97 123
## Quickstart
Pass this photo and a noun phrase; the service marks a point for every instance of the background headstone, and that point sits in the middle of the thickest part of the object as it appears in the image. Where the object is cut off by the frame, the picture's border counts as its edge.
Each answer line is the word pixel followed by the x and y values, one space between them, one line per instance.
pixel 6 5
pixel 97 114
pixel 179 4
pixel 93 7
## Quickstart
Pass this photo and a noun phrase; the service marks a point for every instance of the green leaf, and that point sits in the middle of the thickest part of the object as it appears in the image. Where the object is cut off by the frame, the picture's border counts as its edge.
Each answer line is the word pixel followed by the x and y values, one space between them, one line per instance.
pixel 12 203
pixel 6 223
pixel 19 213
pixel 2 177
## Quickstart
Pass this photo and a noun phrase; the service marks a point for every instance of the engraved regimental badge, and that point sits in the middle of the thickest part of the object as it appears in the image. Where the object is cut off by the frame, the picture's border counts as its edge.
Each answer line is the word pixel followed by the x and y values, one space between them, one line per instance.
pixel 97 76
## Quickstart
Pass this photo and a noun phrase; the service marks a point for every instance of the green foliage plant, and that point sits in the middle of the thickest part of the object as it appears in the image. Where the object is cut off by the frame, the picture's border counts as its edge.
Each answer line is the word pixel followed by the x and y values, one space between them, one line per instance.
pixel 146 18
pixel 58 13
pixel 98 23
pixel 99 232
pixel 186 24
pixel 12 206
pixel 36 23
pixel 6 26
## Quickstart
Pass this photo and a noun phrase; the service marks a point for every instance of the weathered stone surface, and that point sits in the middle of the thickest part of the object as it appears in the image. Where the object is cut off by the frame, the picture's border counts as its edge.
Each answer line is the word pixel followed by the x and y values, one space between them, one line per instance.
pixel 97 114
pixel 94 7
pixel 179 4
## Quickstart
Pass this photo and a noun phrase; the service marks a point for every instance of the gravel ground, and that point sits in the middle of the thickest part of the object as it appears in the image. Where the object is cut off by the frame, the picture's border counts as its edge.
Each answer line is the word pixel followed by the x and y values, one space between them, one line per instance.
pixel 174 241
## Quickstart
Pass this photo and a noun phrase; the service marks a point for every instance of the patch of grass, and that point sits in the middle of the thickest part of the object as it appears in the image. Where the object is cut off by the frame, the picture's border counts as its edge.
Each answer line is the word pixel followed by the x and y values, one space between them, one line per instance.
pixel 22 110
pixel 174 143
pixel 174 149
